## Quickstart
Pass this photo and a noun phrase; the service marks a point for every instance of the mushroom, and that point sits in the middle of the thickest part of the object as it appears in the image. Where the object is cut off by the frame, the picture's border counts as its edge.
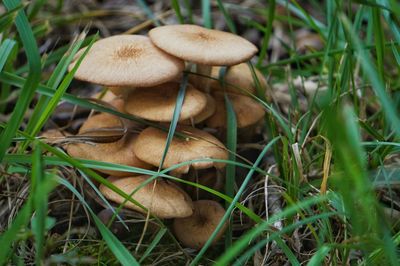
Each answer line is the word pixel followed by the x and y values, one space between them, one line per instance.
pixel 248 111
pixel 158 103
pixel 195 230
pixel 150 144
pixel 127 61
pixel 207 177
pixel 165 201
pixel 238 79
pixel 202 46
pixel 205 47
pixel 119 151
pixel 204 114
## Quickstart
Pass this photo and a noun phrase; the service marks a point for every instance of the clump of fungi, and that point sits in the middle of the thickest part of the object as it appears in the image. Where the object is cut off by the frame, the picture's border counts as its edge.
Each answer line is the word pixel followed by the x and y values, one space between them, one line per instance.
pixel 145 74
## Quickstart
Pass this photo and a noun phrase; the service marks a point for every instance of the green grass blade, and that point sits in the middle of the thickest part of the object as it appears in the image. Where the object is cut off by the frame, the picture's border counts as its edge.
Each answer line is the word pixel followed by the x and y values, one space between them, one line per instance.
pixel 27 93
pixel 117 248
pixel 148 12
pixel 175 5
pixel 243 242
pixel 232 205
pixel 206 12
pixel 231 144
pixel 5 51
pixel 379 41
pixel 268 31
pixel 228 19
pixel 371 73
pixel 153 244
pixel 39 202
pixel 319 256
pixel 8 237
pixel 175 117
pixel 50 106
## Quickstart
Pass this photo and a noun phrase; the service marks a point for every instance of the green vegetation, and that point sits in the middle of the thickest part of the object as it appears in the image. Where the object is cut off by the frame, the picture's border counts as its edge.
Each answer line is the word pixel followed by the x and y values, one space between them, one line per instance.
pixel 321 183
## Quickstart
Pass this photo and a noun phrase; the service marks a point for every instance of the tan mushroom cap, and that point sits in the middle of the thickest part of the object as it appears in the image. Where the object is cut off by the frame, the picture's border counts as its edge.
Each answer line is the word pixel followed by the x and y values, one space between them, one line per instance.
pixel 127 60
pixel 167 201
pixel 203 46
pixel 195 230
pixel 150 144
pixel 241 77
pixel 248 111
pixel 208 111
pixel 158 103
pixel 119 151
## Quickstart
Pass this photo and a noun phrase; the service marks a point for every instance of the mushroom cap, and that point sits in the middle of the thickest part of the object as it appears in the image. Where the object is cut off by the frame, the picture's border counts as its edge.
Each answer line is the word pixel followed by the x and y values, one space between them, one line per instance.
pixel 167 201
pixel 208 111
pixel 248 111
pixel 158 103
pixel 240 76
pixel 202 46
pixel 119 152
pixel 195 230
pixel 127 60
pixel 150 144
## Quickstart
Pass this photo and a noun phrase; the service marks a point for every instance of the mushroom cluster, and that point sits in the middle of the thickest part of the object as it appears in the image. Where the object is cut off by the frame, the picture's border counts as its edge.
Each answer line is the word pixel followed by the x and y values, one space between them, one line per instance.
pixel 144 73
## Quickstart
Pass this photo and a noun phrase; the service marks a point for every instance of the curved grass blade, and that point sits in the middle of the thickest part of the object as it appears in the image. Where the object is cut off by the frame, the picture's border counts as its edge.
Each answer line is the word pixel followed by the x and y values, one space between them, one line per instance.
pixel 28 90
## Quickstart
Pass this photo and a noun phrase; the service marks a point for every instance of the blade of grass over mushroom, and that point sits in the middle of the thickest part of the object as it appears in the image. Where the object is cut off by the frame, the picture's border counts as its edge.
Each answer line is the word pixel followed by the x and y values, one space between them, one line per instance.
pixel 235 199
pixel 102 198
pixel 117 248
pixel 33 79
pixel 175 117
pixel 46 105
pixel 228 18
pixel 206 13
pixel 377 84
pixel 268 31
pixel 243 242
pixel 231 143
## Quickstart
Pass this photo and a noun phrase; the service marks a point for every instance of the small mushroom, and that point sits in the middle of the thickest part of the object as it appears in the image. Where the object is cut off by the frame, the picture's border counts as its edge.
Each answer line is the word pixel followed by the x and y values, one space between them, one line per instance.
pixel 118 151
pixel 241 77
pixel 208 111
pixel 195 230
pixel 127 61
pixel 248 111
pixel 150 144
pixel 158 103
pixel 165 201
